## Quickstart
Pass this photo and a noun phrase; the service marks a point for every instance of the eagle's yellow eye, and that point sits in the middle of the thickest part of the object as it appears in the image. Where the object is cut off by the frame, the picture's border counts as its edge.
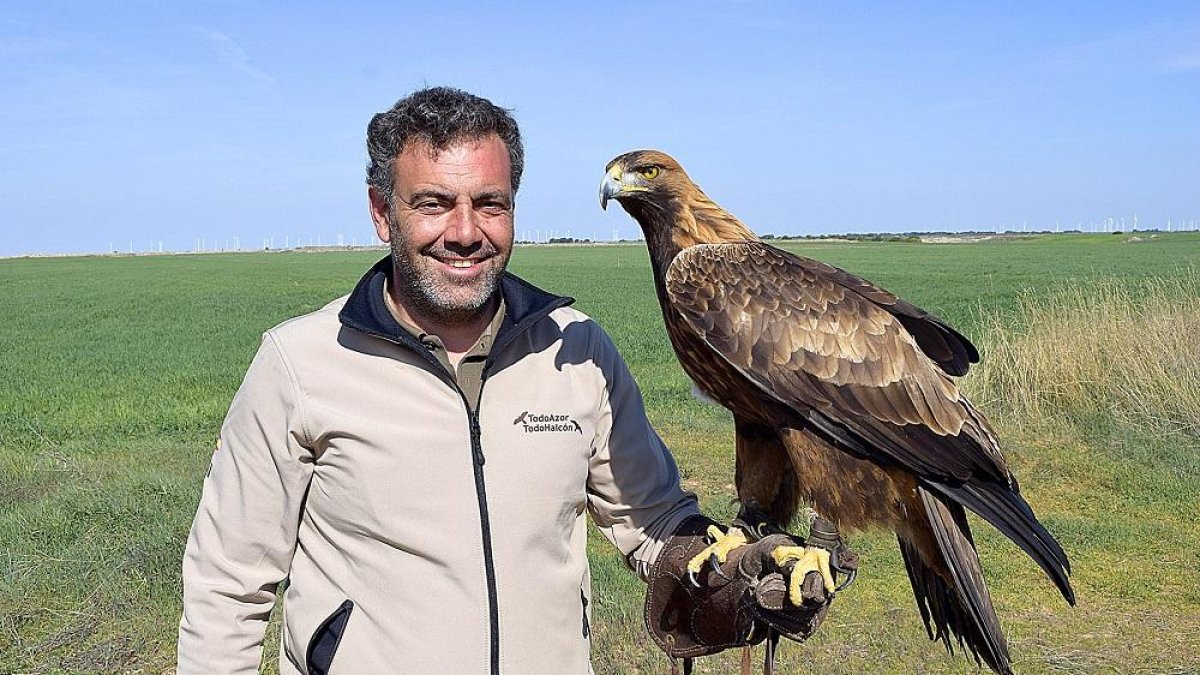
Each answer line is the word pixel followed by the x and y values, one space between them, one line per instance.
pixel 649 173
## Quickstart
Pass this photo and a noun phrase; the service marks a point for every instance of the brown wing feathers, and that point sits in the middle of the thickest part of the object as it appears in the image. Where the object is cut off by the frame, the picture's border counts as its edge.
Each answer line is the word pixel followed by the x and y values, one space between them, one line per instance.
pixel 946 346
pixel 1008 512
pixel 966 608
pixel 725 292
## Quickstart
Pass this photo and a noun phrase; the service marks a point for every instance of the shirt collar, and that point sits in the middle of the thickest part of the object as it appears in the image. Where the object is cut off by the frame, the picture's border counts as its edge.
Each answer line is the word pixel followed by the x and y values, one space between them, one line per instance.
pixel 482 346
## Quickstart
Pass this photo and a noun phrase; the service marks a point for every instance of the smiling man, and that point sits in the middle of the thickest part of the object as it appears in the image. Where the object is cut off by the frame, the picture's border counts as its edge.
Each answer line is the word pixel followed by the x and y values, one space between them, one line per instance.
pixel 418 459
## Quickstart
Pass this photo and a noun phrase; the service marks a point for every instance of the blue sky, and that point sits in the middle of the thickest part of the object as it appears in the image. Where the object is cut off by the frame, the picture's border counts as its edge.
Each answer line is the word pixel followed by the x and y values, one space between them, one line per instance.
pixel 134 123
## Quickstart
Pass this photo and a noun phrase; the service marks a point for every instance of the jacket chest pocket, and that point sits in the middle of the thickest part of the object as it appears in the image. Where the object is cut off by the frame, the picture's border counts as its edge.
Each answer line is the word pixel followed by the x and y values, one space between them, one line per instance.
pixel 540 468
pixel 326 638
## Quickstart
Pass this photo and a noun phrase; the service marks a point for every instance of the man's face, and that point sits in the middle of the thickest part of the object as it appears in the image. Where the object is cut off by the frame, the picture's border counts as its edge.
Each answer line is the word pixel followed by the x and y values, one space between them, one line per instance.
pixel 450 228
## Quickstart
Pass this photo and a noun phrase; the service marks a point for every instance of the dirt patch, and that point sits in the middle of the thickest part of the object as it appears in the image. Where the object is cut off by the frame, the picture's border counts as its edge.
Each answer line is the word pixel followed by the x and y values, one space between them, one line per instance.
pixel 966 239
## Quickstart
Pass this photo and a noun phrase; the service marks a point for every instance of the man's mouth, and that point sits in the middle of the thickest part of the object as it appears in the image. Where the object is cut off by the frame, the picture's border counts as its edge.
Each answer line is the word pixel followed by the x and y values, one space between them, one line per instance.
pixel 460 263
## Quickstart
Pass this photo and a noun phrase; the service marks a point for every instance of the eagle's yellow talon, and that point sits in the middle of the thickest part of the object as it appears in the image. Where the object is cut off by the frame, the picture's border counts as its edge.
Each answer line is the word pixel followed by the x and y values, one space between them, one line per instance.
pixel 808 559
pixel 723 543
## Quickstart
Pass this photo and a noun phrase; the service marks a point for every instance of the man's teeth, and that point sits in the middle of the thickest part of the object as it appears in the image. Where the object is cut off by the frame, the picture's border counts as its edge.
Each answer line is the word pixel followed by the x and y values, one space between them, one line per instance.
pixel 461 263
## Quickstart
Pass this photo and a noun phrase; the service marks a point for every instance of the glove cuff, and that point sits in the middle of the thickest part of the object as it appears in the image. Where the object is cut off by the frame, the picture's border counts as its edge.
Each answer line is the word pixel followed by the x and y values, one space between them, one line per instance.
pixel 688 620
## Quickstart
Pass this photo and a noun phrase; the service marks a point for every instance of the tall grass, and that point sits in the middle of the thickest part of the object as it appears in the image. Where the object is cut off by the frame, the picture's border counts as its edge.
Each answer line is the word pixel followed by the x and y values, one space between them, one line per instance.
pixel 1129 352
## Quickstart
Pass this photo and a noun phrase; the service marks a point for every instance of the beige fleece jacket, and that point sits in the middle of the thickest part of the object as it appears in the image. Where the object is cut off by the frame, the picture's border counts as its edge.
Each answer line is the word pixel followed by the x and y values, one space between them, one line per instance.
pixel 415 536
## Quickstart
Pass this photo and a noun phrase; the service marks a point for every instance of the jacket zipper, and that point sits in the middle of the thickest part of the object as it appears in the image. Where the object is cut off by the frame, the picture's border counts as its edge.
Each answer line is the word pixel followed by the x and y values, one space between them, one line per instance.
pixel 489 565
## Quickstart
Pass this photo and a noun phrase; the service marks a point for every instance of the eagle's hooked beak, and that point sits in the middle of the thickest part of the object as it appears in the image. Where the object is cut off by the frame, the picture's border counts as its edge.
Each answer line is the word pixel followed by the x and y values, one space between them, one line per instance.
pixel 611 186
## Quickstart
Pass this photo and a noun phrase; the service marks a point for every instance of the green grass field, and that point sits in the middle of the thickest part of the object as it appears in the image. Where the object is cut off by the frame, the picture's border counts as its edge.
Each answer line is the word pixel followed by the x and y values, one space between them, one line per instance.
pixel 116 372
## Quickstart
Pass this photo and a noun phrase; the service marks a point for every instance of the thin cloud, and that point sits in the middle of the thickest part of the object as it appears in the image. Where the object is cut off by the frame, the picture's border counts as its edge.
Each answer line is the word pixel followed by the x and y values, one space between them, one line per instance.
pixel 231 54
pixel 1183 62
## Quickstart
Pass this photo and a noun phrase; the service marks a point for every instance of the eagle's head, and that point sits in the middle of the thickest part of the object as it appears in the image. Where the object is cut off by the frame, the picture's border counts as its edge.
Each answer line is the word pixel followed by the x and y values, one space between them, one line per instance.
pixel 644 179
pixel 673 212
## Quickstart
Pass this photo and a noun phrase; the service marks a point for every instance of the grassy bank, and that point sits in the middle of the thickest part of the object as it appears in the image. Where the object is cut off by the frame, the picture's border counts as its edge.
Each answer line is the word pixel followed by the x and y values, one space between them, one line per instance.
pixel 116 373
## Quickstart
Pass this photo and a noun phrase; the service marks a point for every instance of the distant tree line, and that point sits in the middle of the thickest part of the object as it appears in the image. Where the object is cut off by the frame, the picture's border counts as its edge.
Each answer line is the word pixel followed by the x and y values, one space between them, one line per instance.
pixel 907 237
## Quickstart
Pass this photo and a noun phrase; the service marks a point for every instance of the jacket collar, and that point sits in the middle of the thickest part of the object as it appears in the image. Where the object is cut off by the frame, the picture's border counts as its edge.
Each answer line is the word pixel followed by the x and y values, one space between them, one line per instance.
pixel 366 311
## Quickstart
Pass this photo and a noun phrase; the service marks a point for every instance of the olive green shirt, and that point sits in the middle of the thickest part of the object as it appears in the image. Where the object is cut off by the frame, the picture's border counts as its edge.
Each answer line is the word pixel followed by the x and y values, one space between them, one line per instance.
pixel 469 374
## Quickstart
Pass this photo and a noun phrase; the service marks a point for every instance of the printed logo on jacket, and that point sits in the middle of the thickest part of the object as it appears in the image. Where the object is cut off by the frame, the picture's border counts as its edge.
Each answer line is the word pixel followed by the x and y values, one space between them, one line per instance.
pixel 540 423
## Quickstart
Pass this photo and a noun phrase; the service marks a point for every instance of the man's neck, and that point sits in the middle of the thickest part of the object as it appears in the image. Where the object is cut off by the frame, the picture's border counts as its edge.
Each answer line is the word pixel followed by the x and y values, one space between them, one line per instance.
pixel 457 337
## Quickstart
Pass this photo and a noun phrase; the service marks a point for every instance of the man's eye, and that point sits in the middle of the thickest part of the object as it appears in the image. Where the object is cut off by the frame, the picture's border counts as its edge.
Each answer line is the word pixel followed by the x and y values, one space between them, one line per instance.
pixel 494 207
pixel 429 206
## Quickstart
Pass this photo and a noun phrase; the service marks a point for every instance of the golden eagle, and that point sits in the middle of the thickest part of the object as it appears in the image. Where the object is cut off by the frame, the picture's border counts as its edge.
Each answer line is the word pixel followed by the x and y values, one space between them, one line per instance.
pixel 841 394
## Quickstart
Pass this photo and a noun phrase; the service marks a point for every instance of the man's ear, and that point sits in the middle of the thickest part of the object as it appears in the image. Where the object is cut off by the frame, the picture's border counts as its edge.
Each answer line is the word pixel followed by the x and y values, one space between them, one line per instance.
pixel 379 214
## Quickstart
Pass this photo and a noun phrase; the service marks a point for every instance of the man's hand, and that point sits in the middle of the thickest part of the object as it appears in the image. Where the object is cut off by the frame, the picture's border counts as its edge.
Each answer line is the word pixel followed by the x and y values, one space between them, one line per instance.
pixel 740 600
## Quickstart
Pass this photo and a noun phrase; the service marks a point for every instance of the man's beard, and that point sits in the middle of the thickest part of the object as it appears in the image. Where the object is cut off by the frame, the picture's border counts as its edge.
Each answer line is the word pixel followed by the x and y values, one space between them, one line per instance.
pixel 434 296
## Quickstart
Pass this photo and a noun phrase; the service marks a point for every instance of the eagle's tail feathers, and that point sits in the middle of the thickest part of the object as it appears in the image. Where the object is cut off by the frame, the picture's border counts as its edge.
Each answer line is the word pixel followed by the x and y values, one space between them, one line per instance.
pixel 960 605
pixel 1008 512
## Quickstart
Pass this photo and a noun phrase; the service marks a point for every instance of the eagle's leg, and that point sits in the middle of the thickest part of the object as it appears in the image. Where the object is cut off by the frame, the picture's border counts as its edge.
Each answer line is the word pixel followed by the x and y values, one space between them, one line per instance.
pixel 822 553
pixel 825 534
pixel 755 522
pixel 717 552
pixel 807 559
pixel 751 524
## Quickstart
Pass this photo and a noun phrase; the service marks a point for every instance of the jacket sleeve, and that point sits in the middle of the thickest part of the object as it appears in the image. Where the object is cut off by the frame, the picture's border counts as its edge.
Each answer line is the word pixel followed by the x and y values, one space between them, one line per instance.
pixel 634 494
pixel 244 535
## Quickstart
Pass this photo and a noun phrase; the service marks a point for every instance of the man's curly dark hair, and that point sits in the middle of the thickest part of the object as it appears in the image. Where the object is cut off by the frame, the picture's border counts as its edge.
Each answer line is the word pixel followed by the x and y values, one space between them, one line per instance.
pixel 441 117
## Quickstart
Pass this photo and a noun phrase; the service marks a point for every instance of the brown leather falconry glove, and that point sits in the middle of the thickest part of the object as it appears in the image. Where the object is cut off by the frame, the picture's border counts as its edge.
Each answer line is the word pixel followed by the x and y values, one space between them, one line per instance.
pixel 738 603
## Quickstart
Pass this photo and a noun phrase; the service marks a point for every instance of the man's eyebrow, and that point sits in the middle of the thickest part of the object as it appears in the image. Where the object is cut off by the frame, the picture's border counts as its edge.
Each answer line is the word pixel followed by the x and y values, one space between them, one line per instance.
pixel 442 195
pixel 499 195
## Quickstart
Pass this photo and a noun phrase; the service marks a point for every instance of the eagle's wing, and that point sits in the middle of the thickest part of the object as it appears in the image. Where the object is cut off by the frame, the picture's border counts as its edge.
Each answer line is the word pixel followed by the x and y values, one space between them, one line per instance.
pixel 867 369
pixel 953 353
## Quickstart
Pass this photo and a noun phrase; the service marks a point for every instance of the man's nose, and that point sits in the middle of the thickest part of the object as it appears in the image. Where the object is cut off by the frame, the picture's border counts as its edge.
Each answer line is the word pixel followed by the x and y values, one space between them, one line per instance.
pixel 464 225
